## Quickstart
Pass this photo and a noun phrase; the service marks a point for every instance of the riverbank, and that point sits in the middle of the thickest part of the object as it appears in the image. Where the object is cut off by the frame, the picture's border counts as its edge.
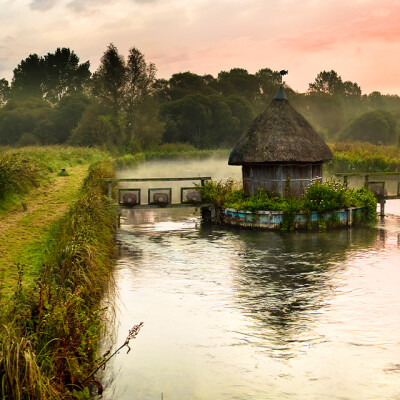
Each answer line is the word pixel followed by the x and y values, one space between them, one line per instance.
pixel 57 255
pixel 22 230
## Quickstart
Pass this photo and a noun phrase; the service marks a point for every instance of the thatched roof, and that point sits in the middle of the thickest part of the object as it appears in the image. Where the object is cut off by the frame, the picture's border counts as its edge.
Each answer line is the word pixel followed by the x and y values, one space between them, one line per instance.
pixel 280 135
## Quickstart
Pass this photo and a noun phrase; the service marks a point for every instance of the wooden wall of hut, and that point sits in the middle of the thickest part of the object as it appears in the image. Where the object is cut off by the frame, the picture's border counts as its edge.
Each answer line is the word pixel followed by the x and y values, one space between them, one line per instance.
pixel 285 179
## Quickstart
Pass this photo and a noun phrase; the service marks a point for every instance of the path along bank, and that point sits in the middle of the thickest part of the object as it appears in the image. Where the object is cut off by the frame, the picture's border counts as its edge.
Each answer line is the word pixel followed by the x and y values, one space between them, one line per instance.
pixel 56 262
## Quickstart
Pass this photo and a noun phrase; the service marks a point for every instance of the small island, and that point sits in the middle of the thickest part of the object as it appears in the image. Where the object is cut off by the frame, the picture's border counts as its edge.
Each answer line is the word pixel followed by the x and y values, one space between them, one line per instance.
pixel 282 159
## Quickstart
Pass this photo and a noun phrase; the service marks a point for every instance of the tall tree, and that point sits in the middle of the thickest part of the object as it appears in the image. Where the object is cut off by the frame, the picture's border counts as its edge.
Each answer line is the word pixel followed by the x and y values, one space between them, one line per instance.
pixel 63 74
pixel 140 77
pixel 110 79
pixel 28 78
pixel 4 91
pixel 330 82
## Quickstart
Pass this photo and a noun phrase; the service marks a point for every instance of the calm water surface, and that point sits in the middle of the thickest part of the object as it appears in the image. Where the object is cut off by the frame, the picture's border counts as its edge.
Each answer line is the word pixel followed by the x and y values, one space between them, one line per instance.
pixel 237 314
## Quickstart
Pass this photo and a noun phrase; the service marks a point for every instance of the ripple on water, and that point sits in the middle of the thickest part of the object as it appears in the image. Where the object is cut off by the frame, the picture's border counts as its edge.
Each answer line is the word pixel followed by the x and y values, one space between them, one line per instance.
pixel 241 314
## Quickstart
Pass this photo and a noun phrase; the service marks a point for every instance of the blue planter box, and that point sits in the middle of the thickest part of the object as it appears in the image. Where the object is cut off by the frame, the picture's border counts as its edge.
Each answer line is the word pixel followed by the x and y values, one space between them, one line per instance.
pixel 275 219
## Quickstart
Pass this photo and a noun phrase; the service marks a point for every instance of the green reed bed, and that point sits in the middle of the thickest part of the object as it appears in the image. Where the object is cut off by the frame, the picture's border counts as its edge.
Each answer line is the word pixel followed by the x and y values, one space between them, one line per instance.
pixel 363 157
pixel 51 328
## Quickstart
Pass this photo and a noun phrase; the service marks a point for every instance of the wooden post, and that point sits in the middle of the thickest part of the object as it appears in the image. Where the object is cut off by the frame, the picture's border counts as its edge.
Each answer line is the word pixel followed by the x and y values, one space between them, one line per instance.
pixel 382 203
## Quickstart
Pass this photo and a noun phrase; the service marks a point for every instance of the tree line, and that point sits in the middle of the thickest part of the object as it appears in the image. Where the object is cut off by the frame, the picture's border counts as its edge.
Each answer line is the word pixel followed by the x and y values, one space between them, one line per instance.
pixel 55 99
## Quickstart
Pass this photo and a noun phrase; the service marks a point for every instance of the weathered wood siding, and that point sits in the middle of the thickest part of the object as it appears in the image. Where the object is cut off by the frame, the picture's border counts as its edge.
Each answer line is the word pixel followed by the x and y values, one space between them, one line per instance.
pixel 286 179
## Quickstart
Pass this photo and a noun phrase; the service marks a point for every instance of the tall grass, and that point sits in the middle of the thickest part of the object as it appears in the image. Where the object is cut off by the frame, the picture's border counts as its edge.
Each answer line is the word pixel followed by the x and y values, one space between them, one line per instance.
pixel 56 323
pixel 23 169
pixel 363 157
pixel 18 174
pixel 54 158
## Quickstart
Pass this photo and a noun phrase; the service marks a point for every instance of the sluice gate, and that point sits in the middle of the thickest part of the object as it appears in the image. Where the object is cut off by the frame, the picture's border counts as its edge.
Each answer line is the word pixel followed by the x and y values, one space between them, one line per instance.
pixel 157 192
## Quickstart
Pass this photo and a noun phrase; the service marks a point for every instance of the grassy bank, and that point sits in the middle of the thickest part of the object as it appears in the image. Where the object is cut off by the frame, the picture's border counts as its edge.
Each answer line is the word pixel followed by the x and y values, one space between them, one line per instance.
pixel 24 169
pixel 363 157
pixel 51 319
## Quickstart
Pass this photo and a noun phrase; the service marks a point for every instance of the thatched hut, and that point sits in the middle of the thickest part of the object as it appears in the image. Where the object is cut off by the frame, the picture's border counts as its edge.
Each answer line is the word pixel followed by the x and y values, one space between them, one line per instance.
pixel 281 152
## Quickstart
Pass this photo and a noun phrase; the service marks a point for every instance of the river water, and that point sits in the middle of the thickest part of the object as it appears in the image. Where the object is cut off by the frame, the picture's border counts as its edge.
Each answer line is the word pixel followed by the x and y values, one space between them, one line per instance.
pixel 241 314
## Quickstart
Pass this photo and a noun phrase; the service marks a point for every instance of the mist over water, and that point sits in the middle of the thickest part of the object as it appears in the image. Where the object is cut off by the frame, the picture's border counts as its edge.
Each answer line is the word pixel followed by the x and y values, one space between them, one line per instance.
pixel 241 314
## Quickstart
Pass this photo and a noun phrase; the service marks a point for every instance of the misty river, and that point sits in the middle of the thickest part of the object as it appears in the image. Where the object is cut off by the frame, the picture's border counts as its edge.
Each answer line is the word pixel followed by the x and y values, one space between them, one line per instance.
pixel 239 314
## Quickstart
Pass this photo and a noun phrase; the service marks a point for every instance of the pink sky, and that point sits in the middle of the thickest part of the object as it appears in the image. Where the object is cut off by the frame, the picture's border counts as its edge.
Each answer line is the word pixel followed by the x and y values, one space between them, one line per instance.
pixel 359 39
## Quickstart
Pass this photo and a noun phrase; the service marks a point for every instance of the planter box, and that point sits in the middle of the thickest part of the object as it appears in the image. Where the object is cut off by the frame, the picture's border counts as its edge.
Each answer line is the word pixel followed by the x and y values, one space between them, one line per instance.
pixel 276 219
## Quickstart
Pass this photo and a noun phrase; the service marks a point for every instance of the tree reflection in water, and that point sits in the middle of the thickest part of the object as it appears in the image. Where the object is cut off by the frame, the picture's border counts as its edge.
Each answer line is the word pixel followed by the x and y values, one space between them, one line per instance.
pixel 283 282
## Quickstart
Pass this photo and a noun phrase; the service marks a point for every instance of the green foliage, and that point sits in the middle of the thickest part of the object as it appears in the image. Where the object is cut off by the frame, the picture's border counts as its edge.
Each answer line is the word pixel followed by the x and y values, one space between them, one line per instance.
pixel 204 120
pixel 331 83
pixel 109 80
pixel 318 197
pixel 21 377
pixel 97 127
pixel 221 193
pixel 18 174
pixel 23 169
pixel 365 198
pixel 324 112
pixel 363 157
pixel 50 77
pixel 29 116
pixel 327 196
pixel 147 130
pixel 4 91
pixel 377 127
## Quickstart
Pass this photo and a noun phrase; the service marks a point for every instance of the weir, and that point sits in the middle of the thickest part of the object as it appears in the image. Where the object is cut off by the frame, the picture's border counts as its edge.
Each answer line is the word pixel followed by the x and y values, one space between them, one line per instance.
pixel 140 192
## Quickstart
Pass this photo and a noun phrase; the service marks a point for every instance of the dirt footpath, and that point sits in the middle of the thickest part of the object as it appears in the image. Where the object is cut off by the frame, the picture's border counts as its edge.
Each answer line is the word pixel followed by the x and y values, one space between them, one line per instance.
pixel 21 231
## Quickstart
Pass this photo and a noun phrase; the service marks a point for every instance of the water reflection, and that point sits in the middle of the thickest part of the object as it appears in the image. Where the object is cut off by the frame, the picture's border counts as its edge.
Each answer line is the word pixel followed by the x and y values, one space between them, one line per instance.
pixel 233 313
pixel 283 280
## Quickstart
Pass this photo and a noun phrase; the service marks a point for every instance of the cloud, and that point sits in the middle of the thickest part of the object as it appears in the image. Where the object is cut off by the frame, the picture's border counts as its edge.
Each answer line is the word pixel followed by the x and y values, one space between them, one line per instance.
pixel 87 6
pixel 42 5
pixel 92 6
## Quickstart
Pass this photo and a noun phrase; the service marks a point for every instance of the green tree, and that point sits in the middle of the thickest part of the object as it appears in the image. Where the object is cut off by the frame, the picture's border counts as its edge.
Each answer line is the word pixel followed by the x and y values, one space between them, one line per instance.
pixel 67 114
pixel 108 83
pixel 98 127
pixel 324 112
pixel 140 77
pixel 185 83
pixel 63 74
pixel 330 82
pixel 4 91
pixel 31 116
pixel 28 78
pixel 242 114
pixel 148 128
pixel 269 82
pixel 377 127
pixel 239 82
pixel 203 121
